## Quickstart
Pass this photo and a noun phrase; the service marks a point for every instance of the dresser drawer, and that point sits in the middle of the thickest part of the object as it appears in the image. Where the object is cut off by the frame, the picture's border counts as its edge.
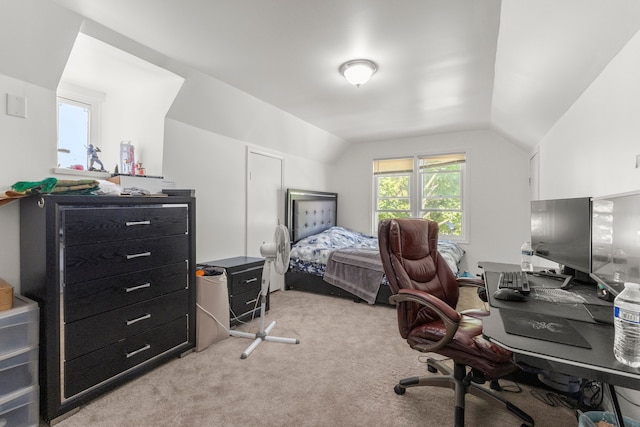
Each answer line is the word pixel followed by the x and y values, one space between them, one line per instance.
pixel 89 262
pixel 106 224
pixel 98 366
pixel 246 280
pixel 99 331
pixel 86 299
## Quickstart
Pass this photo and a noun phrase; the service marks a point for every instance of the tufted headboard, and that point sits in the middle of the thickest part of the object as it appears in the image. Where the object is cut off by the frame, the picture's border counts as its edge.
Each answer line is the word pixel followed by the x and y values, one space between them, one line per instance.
pixel 310 212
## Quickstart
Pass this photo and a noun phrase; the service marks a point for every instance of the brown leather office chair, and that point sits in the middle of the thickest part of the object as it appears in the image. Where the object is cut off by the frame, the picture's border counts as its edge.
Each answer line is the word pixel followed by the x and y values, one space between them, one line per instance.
pixel 426 292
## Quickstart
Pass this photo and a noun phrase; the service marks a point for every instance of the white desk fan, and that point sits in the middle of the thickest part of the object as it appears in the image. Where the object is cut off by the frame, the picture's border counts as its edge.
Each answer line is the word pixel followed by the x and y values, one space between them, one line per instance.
pixel 276 254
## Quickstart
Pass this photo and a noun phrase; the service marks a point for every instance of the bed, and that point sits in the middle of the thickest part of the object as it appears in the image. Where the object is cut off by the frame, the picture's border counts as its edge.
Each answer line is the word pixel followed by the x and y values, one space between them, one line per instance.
pixel 333 260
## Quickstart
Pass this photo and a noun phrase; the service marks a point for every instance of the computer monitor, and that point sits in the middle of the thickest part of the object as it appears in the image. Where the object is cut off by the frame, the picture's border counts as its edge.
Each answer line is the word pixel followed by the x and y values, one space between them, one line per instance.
pixel 561 232
pixel 616 241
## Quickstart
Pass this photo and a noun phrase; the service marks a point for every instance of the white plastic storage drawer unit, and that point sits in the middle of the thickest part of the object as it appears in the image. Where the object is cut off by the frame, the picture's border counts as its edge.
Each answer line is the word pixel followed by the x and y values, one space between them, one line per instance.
pixel 18 370
pixel 20 409
pixel 19 326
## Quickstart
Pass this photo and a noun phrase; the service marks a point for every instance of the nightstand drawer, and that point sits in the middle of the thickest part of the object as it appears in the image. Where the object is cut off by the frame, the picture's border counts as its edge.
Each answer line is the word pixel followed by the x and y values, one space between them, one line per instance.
pixel 98 366
pixel 94 225
pixel 246 302
pixel 98 296
pixel 246 280
pixel 99 331
pixel 89 262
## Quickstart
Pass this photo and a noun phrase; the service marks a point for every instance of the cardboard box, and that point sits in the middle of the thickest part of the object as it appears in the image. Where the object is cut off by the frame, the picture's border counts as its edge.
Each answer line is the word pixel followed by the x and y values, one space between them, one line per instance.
pixel 6 295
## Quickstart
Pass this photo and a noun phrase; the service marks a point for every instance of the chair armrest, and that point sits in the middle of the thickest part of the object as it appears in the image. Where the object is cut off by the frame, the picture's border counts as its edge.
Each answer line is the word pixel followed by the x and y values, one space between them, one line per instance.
pixel 470 281
pixel 449 316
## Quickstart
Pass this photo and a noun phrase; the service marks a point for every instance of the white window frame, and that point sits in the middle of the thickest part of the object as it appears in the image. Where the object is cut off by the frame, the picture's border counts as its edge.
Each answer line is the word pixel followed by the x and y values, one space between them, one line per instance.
pixel 416 192
pixel 93 100
pixel 376 195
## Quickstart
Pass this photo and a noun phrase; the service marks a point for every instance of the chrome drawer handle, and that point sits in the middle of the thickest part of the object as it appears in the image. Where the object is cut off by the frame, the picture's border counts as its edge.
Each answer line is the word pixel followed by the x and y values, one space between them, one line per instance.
pixel 138 255
pixel 140 350
pixel 135 288
pixel 132 321
pixel 253 301
pixel 255 279
pixel 130 223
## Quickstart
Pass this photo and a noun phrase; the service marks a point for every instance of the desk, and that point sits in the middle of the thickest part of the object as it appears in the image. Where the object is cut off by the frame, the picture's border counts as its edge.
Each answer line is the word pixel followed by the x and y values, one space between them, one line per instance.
pixel 597 363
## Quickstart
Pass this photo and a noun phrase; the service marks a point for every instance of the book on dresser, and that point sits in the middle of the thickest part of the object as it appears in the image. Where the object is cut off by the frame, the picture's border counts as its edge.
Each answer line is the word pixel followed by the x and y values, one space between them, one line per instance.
pixel 115 281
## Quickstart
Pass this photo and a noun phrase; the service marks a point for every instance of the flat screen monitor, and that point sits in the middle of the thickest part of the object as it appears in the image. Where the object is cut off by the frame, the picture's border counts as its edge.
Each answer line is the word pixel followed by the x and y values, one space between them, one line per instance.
pixel 561 232
pixel 616 241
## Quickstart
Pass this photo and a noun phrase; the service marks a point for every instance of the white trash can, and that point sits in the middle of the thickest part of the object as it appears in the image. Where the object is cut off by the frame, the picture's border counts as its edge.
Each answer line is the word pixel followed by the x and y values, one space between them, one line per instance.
pixel 212 314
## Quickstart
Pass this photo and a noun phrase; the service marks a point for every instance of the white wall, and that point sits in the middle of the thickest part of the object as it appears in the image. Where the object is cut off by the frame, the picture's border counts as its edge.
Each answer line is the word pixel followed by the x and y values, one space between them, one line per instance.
pixel 28 152
pixel 497 173
pixel 216 167
pixel 137 115
pixel 591 151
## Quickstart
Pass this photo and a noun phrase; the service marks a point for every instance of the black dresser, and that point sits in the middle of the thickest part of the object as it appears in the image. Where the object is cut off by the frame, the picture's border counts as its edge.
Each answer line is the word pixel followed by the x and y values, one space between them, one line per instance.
pixel 115 281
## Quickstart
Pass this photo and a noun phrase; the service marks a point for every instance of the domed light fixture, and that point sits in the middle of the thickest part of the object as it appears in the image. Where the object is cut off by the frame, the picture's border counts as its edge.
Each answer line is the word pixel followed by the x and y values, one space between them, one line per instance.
pixel 358 71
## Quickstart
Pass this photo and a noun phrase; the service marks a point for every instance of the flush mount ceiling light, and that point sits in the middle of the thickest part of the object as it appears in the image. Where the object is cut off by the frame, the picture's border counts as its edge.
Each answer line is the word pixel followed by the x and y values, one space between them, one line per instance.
pixel 358 71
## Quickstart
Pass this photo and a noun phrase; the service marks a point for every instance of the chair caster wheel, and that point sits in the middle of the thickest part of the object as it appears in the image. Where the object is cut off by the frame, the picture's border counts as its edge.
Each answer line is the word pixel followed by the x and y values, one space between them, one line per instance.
pixel 431 369
pixel 399 389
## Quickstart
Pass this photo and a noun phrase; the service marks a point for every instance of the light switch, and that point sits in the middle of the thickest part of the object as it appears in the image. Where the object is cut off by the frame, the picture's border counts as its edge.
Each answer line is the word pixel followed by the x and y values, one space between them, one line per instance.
pixel 16 105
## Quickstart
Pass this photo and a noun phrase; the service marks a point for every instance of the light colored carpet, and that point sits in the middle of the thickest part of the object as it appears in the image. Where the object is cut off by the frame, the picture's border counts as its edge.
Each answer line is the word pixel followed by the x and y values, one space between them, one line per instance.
pixel 342 373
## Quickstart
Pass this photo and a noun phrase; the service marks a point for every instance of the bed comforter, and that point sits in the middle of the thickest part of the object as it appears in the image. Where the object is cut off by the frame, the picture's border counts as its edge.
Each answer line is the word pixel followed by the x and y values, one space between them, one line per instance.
pixel 311 254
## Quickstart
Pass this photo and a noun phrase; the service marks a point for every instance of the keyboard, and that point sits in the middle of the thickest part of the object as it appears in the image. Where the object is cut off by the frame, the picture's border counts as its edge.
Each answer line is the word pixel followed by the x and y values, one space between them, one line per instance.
pixel 516 280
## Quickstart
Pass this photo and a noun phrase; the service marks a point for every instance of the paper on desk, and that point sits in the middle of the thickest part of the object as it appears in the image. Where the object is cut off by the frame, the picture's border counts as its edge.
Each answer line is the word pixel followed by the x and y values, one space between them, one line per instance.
pixel 557 295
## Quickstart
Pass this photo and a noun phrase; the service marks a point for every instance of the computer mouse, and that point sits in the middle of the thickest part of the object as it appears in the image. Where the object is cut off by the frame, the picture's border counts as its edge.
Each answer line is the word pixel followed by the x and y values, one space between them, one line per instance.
pixel 509 295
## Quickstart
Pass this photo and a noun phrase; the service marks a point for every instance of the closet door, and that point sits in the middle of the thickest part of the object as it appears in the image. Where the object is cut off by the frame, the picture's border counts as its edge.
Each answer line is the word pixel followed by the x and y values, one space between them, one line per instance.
pixel 265 203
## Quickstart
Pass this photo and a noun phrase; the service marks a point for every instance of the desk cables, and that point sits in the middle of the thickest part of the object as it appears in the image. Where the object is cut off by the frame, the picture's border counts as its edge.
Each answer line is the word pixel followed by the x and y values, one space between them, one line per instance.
pixel 588 398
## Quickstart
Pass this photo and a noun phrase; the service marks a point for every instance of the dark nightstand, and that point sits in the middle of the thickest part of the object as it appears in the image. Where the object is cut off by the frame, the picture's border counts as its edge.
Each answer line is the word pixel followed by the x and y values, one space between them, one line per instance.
pixel 244 279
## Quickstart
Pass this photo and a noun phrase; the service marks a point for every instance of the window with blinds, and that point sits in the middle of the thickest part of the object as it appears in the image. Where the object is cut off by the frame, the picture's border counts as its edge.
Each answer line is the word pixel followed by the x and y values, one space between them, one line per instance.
pixel 429 187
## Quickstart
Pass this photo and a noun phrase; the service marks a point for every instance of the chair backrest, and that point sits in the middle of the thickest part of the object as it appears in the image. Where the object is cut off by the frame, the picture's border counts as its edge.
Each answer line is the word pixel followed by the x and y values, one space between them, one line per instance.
pixel 410 258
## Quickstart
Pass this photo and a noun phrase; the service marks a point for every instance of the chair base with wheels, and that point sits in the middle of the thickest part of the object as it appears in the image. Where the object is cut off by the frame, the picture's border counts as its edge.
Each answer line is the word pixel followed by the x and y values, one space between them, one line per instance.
pixel 462 383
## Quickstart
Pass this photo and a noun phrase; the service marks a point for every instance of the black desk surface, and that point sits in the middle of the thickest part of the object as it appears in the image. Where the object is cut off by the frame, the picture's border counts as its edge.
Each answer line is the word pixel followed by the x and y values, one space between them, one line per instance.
pixel 597 363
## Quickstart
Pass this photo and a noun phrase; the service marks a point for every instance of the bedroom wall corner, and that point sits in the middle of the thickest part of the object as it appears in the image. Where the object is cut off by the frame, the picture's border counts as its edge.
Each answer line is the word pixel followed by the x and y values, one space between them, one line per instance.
pixel 215 166
pixel 497 173
pixel 592 149
pixel 28 154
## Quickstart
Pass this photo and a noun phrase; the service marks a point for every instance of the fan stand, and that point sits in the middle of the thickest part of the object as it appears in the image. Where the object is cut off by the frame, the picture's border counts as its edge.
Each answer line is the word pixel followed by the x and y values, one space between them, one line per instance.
pixel 263 334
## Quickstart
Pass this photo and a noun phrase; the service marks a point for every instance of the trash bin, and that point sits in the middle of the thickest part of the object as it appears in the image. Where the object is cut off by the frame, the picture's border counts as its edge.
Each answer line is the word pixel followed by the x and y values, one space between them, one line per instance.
pixel 212 314
pixel 590 419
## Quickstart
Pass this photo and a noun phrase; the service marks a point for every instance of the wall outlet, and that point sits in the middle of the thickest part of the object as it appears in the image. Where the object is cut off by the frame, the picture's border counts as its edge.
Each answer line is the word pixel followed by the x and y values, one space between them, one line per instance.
pixel 16 106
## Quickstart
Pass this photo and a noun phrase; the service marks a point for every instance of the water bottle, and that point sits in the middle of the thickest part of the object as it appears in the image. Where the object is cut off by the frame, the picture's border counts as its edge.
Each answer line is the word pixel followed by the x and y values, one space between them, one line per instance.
pixel 526 257
pixel 619 265
pixel 626 312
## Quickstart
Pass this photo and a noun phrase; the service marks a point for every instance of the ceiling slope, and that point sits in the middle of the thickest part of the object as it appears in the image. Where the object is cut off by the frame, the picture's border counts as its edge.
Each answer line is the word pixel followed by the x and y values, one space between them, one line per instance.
pixel 549 52
pixel 512 65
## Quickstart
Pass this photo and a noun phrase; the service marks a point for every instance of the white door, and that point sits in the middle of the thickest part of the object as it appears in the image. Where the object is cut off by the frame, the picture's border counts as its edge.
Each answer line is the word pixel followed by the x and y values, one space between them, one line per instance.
pixel 265 204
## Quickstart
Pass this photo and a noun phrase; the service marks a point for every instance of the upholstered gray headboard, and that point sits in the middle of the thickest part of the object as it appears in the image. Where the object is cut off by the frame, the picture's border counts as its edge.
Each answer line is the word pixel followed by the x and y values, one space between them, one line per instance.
pixel 310 212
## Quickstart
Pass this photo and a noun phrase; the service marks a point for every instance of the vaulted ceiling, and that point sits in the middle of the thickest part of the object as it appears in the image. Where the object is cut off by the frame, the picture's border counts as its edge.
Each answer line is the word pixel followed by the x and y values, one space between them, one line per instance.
pixel 514 66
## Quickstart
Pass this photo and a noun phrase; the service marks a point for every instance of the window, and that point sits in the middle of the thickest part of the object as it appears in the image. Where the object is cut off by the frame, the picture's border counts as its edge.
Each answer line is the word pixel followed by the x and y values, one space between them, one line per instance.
pixel 78 131
pixel 74 119
pixel 438 192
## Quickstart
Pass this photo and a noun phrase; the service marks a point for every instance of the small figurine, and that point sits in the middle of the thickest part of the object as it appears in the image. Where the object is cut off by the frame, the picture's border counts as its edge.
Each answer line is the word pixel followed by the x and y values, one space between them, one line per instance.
pixel 92 152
